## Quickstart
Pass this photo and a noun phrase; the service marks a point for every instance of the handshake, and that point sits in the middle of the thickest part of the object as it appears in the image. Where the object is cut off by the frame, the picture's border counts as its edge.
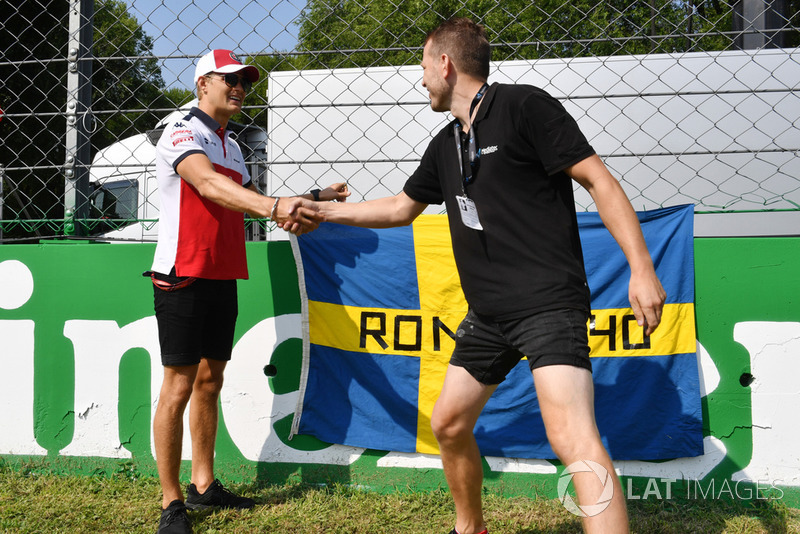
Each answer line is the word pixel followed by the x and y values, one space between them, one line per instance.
pixel 301 214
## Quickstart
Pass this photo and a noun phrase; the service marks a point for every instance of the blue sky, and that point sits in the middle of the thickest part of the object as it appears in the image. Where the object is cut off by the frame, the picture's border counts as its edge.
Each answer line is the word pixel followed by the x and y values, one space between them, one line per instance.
pixel 187 31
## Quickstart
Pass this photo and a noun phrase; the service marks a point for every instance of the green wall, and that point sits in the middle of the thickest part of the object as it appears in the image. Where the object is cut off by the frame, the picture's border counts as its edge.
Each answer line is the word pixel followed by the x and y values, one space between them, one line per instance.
pixel 746 288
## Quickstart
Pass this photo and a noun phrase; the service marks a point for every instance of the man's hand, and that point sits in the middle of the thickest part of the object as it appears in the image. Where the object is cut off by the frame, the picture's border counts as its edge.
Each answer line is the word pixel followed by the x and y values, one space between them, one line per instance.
pixel 337 192
pixel 298 215
pixel 647 298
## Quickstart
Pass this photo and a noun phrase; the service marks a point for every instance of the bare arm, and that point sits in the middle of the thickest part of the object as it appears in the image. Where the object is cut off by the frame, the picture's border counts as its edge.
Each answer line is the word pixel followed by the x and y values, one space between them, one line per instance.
pixel 645 292
pixel 386 212
pixel 197 170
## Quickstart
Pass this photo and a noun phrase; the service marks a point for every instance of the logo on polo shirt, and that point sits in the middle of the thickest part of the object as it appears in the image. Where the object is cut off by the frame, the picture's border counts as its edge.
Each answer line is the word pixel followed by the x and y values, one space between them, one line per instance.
pixel 181 136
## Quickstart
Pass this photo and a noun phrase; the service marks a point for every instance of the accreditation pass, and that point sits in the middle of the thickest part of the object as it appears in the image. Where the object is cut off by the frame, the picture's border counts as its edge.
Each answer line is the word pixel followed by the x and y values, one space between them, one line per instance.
pixel 469 213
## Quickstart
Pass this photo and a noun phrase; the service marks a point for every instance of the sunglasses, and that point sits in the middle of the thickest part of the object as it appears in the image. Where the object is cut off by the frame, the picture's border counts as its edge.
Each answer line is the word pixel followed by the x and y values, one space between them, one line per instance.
pixel 232 80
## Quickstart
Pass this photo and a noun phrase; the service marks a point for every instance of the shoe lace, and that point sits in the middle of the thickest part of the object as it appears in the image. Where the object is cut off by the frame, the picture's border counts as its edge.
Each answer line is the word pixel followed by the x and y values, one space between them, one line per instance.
pixel 225 494
pixel 175 515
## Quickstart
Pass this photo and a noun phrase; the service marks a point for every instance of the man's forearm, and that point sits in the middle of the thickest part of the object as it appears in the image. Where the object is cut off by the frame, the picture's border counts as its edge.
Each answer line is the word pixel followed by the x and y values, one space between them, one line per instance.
pixel 620 219
pixel 386 212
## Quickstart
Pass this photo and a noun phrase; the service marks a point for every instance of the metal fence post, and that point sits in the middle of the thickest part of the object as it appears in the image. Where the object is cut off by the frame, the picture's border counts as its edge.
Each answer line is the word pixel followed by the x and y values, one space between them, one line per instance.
pixel 760 22
pixel 78 114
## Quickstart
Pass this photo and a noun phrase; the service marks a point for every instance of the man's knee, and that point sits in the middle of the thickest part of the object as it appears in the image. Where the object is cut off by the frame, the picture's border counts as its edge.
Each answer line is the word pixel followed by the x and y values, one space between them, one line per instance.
pixel 174 397
pixel 208 385
pixel 571 445
pixel 448 426
pixel 564 448
pixel 176 390
pixel 209 379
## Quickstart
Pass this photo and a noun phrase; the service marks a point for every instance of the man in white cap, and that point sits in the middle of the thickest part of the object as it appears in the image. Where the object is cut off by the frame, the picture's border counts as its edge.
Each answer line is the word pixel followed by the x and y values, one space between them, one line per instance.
pixel 205 190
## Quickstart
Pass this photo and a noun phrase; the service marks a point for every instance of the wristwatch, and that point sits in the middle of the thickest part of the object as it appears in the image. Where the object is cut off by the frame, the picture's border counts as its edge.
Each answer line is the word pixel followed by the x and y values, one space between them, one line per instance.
pixel 315 193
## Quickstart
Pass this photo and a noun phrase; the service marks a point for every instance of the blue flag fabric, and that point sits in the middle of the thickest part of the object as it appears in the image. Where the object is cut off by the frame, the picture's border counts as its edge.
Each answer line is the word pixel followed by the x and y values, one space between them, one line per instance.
pixel 381 307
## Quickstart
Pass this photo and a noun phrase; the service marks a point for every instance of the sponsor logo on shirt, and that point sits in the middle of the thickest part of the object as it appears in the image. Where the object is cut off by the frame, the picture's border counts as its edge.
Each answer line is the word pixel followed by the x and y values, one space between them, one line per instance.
pixel 489 150
pixel 176 142
pixel 181 136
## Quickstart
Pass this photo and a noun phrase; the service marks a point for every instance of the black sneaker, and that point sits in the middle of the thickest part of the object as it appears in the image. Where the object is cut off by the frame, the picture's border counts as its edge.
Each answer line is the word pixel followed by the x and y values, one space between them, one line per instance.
pixel 216 496
pixel 174 519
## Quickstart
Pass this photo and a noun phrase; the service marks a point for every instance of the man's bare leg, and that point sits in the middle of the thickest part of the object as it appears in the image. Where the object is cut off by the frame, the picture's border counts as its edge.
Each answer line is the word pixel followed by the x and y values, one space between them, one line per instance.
pixel 203 420
pixel 176 390
pixel 566 398
pixel 453 421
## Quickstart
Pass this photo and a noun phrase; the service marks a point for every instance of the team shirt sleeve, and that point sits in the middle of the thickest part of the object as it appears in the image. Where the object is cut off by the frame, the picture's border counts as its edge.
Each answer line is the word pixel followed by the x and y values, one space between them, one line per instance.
pixel 178 141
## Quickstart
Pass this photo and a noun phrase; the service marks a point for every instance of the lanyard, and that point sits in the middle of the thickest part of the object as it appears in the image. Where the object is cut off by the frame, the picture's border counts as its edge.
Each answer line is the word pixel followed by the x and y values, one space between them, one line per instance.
pixel 472 151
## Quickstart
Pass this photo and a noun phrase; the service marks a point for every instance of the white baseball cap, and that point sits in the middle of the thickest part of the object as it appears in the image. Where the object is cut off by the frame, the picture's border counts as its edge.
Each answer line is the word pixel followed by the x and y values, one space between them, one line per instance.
pixel 223 61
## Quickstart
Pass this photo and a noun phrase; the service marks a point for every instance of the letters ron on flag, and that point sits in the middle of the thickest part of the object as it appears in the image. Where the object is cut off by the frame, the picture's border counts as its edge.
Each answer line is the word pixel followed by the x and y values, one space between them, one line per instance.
pixel 381 308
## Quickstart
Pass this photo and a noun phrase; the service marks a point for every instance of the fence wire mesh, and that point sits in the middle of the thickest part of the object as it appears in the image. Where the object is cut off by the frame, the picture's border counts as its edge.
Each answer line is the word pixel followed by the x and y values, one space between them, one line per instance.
pixel 687 101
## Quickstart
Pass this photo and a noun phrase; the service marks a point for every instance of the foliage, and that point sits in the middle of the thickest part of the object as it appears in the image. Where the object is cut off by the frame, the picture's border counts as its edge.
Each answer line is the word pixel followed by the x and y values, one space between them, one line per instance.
pixel 126 77
pixel 348 33
pixel 396 29
pixel 32 96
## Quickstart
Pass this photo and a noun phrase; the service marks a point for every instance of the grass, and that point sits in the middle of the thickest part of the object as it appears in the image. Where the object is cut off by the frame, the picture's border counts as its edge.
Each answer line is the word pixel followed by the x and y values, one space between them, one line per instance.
pixel 34 503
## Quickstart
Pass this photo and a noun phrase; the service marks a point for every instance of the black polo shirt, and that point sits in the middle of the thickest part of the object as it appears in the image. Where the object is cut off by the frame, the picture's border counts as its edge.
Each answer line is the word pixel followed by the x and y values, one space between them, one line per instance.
pixel 528 256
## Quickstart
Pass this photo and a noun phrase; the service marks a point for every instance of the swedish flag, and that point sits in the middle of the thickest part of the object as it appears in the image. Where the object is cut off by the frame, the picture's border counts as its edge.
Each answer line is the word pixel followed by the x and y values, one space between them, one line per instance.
pixel 382 307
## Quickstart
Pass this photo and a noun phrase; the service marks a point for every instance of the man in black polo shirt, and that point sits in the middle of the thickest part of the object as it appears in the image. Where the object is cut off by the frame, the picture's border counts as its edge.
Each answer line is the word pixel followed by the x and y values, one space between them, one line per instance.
pixel 504 169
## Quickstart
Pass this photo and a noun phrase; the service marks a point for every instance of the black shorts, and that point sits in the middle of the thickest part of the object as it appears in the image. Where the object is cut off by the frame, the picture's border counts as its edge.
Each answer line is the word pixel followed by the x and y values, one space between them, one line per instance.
pixel 489 349
pixel 196 321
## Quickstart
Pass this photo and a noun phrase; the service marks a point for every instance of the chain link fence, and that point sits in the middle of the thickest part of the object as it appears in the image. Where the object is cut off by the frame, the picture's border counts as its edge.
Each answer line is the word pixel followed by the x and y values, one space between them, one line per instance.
pixel 687 101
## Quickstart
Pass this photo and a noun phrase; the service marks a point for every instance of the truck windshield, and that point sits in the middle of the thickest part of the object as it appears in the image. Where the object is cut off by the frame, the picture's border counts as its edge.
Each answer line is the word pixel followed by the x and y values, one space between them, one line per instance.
pixel 114 204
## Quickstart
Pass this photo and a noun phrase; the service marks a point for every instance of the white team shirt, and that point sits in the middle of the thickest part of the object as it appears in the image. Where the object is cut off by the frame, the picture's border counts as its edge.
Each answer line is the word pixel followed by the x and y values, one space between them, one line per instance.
pixel 196 236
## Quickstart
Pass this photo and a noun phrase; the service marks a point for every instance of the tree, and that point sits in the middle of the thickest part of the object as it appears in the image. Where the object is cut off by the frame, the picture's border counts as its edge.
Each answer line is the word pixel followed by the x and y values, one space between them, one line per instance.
pixel 348 33
pixel 33 96
pixel 393 29
pixel 127 97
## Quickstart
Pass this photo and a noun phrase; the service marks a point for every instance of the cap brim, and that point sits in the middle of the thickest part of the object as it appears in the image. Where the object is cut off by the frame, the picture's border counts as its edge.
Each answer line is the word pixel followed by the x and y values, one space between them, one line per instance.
pixel 249 70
